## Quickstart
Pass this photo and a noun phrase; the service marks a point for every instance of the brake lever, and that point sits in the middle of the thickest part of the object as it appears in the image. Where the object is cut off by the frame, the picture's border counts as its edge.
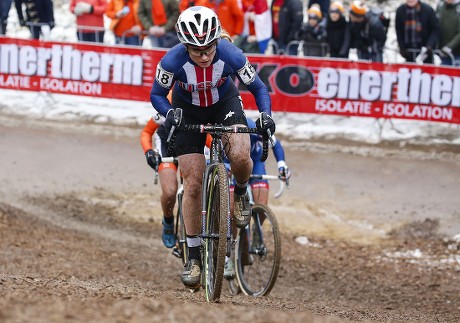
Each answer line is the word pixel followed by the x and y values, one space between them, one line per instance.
pixel 177 119
pixel 157 166
pixel 270 137
pixel 155 178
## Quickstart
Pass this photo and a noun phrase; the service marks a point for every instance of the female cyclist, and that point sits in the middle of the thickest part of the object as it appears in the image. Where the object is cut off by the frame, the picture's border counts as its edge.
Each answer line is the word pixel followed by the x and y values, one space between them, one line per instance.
pixel 199 73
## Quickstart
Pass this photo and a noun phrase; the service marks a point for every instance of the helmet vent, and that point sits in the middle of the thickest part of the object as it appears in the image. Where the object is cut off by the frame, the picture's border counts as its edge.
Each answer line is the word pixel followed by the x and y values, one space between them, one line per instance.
pixel 198 18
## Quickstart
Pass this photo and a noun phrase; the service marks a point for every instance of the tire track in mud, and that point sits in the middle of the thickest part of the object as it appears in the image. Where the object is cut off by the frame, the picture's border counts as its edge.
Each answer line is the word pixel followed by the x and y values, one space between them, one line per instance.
pixel 40 208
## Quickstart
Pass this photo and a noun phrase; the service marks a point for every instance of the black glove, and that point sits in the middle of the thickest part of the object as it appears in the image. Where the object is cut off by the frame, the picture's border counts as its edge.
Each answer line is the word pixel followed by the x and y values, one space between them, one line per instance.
pixel 52 24
pixel 264 123
pixel 173 120
pixel 153 158
pixel 22 22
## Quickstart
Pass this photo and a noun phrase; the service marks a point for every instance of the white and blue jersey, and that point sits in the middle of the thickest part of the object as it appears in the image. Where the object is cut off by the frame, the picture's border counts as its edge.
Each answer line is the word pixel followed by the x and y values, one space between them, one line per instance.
pixel 203 87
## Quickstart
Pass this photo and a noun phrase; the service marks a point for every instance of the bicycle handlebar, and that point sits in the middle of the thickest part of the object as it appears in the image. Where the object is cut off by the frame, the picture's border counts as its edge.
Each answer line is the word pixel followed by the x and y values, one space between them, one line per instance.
pixel 272 177
pixel 219 129
pixel 168 159
pixel 216 128
pixel 163 160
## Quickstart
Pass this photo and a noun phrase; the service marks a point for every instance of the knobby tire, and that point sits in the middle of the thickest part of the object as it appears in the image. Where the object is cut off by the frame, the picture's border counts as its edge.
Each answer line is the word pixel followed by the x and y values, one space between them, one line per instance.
pixel 257 273
pixel 217 227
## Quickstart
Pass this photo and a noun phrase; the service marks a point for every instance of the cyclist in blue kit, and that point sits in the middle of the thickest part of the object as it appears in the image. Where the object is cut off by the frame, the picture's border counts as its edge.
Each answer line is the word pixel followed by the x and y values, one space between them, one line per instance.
pixel 199 73
pixel 260 187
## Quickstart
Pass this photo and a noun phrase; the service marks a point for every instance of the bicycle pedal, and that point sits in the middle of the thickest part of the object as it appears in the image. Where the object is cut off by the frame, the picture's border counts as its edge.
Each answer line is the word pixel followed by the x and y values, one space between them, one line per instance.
pixel 176 252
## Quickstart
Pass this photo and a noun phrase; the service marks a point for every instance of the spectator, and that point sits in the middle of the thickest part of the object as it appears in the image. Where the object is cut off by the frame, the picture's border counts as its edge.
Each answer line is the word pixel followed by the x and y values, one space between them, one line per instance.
pixel 184 4
pixel 39 16
pixel 90 19
pixel 257 27
pixel 338 31
pixel 313 33
pixel 5 7
pixel 287 18
pixel 230 15
pixel 448 12
pixel 159 18
pixel 324 5
pixel 125 22
pixel 417 31
pixel 367 32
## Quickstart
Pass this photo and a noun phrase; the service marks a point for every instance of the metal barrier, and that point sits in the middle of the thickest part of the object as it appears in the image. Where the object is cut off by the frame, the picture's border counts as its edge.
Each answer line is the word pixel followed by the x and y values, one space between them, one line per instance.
pixel 81 29
pixel 293 47
pixel 144 41
pixel 312 49
pixel 39 30
pixel 450 56
pixel 129 33
pixel 272 48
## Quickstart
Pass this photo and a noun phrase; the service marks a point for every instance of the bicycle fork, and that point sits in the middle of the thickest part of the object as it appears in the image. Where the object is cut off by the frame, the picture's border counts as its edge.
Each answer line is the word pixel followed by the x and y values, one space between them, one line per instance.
pixel 258 239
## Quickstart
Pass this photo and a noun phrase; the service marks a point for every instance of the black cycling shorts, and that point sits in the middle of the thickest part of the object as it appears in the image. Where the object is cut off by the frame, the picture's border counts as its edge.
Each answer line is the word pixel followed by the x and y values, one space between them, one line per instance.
pixel 228 111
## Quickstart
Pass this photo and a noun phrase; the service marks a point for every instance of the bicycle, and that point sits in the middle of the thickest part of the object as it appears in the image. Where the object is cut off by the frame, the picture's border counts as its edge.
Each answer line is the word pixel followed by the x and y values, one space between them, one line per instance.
pixel 215 222
pixel 258 249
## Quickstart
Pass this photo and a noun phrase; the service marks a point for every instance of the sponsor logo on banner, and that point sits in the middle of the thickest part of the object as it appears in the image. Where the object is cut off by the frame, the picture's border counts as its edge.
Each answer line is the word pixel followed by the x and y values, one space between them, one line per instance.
pixel 305 85
pixel 77 69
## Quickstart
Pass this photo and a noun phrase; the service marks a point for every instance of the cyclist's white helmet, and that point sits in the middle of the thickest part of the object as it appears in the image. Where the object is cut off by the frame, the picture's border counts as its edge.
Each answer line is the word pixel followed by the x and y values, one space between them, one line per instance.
pixel 198 26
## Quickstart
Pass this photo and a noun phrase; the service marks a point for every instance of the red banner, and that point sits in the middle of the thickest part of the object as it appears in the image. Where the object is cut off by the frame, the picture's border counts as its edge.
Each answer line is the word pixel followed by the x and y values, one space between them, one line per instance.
pixel 321 86
pixel 87 69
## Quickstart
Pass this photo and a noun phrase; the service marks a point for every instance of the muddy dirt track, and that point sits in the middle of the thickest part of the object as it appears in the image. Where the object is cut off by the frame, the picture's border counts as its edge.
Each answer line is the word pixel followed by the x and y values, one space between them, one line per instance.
pixel 368 233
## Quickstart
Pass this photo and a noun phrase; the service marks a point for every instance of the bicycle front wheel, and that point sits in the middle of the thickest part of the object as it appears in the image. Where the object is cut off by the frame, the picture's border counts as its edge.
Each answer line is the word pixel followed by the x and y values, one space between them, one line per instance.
pixel 258 252
pixel 216 229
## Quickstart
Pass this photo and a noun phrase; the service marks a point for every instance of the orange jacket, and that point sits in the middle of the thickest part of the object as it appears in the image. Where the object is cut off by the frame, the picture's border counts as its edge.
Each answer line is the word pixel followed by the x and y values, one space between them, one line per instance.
pixel 230 15
pixel 120 25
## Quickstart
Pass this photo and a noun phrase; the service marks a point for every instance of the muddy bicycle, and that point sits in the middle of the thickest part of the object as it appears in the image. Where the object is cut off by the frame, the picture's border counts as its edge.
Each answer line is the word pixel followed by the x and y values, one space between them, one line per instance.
pixel 216 230
pixel 258 249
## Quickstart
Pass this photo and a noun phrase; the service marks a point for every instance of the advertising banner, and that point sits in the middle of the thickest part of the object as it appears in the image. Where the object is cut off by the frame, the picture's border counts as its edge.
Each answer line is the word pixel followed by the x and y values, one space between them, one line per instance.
pixel 116 72
pixel 305 85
